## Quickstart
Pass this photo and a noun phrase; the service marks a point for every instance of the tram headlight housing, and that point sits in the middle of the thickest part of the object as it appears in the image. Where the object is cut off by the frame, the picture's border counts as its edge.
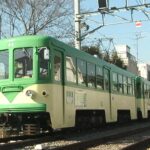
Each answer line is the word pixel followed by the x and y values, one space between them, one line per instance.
pixel 30 93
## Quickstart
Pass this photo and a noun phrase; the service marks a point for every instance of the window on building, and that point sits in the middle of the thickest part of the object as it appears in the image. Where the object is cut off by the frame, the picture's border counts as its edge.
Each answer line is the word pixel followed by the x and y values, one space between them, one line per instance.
pixel 4 64
pixel 91 75
pixel 23 60
pixel 70 69
pixel 99 77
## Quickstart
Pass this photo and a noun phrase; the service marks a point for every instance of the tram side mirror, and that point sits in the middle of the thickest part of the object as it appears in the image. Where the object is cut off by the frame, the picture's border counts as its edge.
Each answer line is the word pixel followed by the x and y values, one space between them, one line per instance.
pixel 46 54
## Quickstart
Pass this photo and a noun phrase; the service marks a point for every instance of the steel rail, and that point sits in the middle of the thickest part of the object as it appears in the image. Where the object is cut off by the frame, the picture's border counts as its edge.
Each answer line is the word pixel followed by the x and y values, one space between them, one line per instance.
pixel 142 145
pixel 98 140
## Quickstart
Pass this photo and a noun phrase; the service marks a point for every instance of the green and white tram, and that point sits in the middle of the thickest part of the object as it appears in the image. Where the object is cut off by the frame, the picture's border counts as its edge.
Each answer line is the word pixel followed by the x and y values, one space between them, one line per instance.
pixel 143 98
pixel 49 83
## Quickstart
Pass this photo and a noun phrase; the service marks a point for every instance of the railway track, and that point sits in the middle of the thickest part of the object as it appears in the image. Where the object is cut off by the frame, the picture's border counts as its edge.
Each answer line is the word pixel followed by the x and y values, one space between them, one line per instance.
pixel 23 141
pixel 100 140
pixel 30 141
pixel 142 145
pixel 77 141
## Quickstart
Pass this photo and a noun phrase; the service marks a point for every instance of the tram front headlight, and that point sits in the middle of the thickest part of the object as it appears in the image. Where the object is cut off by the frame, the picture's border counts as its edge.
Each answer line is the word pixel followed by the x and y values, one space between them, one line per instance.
pixel 30 93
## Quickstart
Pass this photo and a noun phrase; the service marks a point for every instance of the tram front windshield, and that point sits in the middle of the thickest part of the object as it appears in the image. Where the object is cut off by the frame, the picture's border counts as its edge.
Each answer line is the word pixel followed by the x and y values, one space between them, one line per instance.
pixel 4 64
pixel 23 63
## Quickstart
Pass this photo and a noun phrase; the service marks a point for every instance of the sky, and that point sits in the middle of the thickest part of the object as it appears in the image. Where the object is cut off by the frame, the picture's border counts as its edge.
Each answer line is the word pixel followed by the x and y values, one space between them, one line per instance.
pixel 120 30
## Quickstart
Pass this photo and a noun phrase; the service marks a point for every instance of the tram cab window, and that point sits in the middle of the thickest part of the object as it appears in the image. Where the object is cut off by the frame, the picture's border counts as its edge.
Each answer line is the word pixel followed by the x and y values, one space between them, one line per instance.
pixel 81 71
pixel 99 78
pixel 91 75
pixel 23 62
pixel 4 64
pixel 43 64
pixel 70 69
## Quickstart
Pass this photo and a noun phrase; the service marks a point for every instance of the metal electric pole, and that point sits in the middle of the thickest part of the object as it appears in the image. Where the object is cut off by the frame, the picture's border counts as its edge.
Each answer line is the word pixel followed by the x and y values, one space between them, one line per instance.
pixel 138 37
pixel 77 24
pixel 104 10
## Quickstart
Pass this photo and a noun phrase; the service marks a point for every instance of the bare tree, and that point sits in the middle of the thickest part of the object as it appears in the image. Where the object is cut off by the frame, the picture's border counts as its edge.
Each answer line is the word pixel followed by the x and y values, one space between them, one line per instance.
pixel 23 17
pixel 93 50
pixel 116 60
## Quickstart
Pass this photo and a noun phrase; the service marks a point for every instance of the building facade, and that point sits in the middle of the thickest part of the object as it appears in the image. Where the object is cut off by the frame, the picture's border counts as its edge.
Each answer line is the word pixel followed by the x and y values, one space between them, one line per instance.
pixel 144 70
pixel 129 60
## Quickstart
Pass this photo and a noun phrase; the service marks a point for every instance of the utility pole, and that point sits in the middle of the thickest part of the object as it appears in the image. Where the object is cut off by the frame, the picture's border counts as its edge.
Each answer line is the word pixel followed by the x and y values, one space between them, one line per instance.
pixel 138 37
pixel 137 46
pixel 77 24
pixel 103 10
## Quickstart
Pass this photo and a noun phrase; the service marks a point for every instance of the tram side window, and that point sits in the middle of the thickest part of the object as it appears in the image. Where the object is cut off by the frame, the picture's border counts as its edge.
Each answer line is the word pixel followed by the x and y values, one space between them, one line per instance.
pixel 138 90
pixel 23 60
pixel 133 88
pixel 145 91
pixel 99 77
pixel 57 68
pixel 81 71
pixel 124 84
pixel 148 91
pixel 4 64
pixel 129 86
pixel 70 69
pixel 91 75
pixel 120 83
pixel 115 82
pixel 106 80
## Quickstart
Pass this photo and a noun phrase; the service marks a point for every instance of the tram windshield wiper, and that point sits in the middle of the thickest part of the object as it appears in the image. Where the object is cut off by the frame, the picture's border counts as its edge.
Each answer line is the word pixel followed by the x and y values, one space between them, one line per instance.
pixel 26 52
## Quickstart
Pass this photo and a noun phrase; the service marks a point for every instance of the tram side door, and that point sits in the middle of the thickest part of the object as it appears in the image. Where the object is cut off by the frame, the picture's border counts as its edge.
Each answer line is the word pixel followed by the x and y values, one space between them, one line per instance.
pixel 58 87
pixel 107 87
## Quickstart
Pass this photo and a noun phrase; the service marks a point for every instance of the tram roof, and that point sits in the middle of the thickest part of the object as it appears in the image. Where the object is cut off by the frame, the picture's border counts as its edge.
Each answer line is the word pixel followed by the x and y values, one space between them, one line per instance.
pixel 40 40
